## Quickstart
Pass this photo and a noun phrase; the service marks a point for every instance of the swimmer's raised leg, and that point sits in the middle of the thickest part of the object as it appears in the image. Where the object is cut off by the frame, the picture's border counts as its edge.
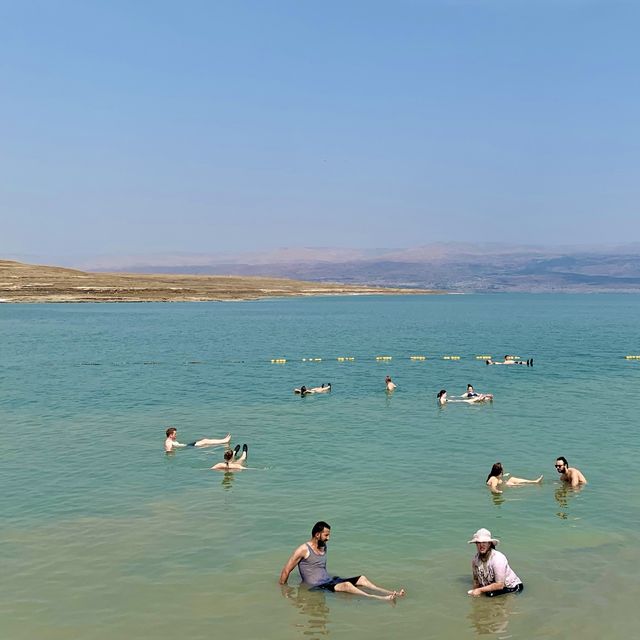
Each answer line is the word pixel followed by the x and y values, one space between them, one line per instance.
pixel 210 442
pixel 236 450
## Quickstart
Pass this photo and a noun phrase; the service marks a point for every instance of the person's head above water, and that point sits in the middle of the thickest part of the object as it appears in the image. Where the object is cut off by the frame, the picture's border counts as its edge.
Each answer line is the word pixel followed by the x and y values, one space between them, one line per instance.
pixel 320 533
pixel 171 431
pixel 442 392
pixel 228 455
pixel 387 379
pixel 469 387
pixel 496 471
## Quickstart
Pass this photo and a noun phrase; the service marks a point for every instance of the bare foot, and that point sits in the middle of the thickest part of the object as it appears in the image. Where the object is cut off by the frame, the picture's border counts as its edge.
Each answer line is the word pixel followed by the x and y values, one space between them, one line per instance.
pixel 539 479
pixel 400 594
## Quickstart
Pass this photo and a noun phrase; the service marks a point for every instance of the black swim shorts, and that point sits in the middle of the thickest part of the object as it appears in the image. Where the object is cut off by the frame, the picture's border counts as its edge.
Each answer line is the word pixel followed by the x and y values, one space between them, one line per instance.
pixel 517 589
pixel 331 585
pixel 192 444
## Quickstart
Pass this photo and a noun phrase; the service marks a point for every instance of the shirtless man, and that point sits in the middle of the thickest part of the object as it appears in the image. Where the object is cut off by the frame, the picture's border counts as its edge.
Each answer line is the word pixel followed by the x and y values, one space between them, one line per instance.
pixel 231 462
pixel 390 384
pixel 568 474
pixel 172 443
pixel 311 560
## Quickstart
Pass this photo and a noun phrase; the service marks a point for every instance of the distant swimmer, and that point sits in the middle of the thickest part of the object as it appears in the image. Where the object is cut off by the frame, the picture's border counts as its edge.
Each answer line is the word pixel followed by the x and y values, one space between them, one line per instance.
pixel 496 475
pixel 304 391
pixel 474 396
pixel 390 384
pixel 478 398
pixel 311 560
pixel 511 360
pixel 568 474
pixel 492 575
pixel 172 443
pixel 233 462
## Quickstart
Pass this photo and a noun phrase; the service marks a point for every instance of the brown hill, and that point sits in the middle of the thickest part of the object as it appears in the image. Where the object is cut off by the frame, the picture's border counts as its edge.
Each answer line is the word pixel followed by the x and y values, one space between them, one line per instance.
pixel 20 282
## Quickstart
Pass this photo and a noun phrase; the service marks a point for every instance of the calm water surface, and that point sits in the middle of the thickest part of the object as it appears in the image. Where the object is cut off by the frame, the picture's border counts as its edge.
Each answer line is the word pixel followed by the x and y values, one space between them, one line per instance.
pixel 103 536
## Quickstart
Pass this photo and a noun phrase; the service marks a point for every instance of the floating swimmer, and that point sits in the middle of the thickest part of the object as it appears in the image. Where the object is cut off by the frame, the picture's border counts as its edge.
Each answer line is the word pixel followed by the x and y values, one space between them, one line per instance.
pixel 496 478
pixel 472 395
pixel 172 443
pixel 479 397
pixel 390 384
pixel 233 462
pixel 304 391
pixel 511 360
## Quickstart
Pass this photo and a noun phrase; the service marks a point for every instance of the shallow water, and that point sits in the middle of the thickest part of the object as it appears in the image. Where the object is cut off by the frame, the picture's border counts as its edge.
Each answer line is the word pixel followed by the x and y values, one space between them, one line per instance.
pixel 104 536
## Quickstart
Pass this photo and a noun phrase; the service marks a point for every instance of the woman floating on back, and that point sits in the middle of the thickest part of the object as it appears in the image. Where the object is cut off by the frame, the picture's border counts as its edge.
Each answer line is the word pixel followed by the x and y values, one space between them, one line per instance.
pixel 496 475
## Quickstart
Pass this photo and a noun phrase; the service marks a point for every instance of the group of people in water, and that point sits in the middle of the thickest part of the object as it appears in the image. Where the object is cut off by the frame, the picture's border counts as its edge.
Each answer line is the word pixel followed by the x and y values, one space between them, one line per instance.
pixel 232 459
pixel 491 573
pixel 511 360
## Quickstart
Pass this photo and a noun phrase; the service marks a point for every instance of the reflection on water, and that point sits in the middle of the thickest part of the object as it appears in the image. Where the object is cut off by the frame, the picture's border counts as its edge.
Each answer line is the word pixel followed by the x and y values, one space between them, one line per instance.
pixel 227 480
pixel 498 499
pixel 563 493
pixel 313 608
pixel 491 615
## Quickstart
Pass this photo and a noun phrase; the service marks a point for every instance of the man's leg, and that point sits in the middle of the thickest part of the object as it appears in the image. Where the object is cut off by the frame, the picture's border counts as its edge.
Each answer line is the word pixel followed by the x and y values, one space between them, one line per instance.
pixel 349 588
pixel 363 581
pixel 208 442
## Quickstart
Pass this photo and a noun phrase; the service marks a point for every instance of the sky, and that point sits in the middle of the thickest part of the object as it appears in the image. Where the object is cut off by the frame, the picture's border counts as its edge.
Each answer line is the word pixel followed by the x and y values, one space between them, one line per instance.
pixel 140 126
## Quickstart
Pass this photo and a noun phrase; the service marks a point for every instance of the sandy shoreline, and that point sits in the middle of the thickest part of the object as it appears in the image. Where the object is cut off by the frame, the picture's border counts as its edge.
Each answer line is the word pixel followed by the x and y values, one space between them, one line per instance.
pixel 20 282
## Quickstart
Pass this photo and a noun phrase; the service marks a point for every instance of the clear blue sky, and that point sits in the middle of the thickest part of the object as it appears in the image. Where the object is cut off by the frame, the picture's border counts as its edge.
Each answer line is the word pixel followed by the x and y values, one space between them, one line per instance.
pixel 152 126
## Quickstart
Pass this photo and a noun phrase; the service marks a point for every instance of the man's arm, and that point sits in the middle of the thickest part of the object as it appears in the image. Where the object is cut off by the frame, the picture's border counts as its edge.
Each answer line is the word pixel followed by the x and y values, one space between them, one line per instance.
pixel 300 553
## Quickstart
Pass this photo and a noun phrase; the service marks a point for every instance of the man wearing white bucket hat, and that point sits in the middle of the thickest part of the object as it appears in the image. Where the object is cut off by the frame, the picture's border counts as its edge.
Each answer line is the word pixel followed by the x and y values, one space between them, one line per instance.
pixel 492 575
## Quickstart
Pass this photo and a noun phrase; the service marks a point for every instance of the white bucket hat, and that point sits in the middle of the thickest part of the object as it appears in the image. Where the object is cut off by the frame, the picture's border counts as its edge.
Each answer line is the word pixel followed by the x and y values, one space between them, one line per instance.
pixel 483 535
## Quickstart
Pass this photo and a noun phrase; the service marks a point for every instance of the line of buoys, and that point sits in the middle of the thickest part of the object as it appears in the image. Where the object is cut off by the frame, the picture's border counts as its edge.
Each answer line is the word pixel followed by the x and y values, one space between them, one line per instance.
pixel 311 359
pixel 384 357
pixel 345 359
pixel 451 357
pixel 483 357
pixel 278 360
pixel 512 358
pixel 632 357
pixel 417 357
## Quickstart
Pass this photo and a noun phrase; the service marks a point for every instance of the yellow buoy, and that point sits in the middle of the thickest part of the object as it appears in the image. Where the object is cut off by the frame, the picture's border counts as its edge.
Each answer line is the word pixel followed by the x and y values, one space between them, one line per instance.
pixel 417 357
pixel 483 357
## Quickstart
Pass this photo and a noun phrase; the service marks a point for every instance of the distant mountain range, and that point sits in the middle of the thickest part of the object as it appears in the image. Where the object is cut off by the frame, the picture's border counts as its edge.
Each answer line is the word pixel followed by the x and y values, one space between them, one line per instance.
pixel 453 267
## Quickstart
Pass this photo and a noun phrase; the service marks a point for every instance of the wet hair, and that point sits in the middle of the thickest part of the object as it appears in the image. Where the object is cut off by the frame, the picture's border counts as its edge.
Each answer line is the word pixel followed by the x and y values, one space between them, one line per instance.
pixel 387 379
pixel 170 431
pixel 496 470
pixel 563 459
pixel 319 527
pixel 303 390
pixel 228 455
pixel 469 386
pixel 441 393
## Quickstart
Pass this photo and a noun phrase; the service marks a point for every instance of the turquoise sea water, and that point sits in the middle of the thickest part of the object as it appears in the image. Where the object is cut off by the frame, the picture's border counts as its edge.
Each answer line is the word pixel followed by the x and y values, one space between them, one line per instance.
pixel 104 536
